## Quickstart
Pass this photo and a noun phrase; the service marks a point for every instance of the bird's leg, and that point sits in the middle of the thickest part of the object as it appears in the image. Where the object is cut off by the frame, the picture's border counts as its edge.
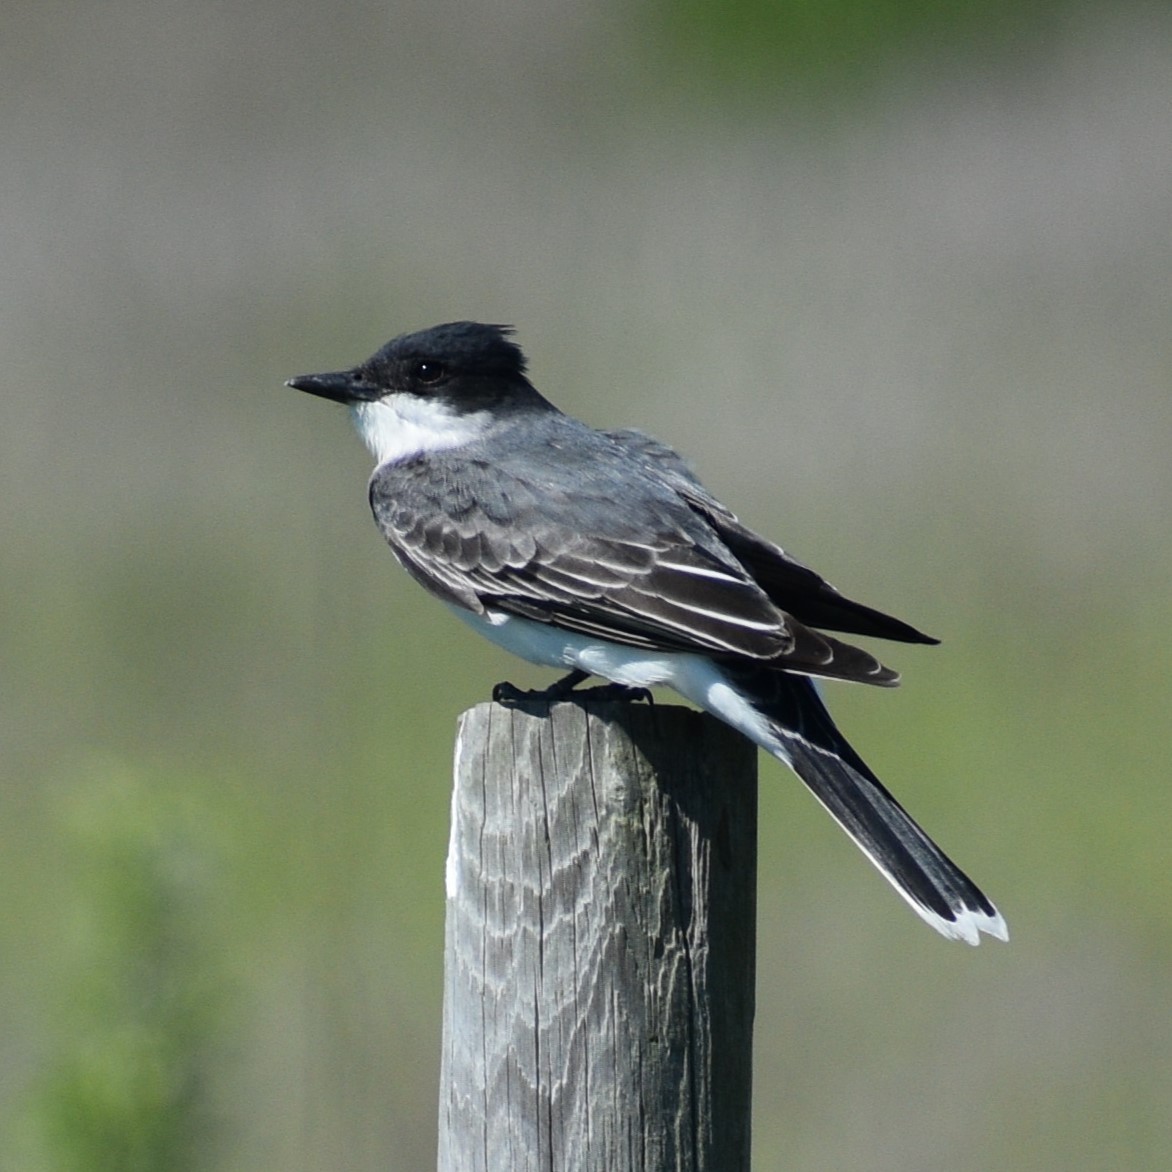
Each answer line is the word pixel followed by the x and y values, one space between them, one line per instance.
pixel 506 693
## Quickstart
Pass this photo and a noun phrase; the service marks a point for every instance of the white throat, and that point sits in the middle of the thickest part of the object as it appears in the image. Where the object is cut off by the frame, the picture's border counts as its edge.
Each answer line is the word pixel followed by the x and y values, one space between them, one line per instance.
pixel 402 425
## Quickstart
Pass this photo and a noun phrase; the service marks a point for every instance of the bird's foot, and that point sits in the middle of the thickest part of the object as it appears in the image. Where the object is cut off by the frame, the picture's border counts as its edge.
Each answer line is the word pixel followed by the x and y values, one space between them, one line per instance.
pixel 506 693
pixel 563 689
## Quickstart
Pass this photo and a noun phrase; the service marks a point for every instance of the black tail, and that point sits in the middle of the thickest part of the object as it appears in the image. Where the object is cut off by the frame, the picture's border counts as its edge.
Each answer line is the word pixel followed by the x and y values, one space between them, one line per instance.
pixel 819 754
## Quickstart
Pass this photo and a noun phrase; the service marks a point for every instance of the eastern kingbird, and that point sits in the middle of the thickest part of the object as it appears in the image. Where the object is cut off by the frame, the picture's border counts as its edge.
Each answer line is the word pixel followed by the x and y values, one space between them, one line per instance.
pixel 600 552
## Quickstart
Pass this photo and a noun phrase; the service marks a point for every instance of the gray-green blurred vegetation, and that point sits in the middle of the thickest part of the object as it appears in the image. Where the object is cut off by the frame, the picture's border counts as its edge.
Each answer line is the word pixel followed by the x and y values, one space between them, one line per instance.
pixel 832 52
pixel 135 1006
pixel 896 276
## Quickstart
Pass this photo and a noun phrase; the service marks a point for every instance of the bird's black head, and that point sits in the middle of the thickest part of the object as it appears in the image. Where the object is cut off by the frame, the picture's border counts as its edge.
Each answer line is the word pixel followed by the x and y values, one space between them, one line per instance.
pixel 465 364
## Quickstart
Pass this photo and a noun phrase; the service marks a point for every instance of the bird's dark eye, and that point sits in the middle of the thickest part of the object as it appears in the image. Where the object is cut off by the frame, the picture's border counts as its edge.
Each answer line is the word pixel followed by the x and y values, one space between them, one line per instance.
pixel 427 371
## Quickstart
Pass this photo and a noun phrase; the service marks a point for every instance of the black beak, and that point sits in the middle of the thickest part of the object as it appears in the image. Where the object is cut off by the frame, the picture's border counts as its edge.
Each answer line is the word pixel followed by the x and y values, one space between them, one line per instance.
pixel 342 386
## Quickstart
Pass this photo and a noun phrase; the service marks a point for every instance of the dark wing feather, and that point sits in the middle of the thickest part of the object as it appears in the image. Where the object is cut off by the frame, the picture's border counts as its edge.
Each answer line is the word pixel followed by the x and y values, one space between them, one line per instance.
pixel 650 574
pixel 804 593
pixel 792 586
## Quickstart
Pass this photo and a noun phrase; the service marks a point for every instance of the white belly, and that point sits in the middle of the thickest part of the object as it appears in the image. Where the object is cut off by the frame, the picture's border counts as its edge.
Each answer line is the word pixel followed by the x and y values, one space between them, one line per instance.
pixel 695 677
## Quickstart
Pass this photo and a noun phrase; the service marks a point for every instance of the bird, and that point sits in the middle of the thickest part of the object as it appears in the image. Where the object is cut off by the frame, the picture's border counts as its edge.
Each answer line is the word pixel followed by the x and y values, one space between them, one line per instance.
pixel 602 554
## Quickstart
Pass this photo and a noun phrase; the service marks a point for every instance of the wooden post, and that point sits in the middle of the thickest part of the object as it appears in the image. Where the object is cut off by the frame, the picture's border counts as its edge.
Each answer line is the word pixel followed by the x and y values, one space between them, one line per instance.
pixel 599 952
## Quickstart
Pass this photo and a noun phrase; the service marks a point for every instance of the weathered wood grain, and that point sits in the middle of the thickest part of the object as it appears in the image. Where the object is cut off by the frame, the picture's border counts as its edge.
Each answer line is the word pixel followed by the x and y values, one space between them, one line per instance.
pixel 599 964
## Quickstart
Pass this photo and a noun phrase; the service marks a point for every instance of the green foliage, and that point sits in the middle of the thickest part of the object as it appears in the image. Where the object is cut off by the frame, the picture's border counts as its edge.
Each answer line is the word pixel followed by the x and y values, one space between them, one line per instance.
pixel 136 1006
pixel 825 49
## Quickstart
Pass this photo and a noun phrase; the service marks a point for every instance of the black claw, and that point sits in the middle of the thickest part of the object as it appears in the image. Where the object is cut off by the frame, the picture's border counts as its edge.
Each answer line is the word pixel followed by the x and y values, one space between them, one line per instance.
pixel 618 692
pixel 506 693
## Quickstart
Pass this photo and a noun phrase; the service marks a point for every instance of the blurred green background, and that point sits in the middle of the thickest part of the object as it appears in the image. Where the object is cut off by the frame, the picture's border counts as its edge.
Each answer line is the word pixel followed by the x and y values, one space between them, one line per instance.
pixel 895 274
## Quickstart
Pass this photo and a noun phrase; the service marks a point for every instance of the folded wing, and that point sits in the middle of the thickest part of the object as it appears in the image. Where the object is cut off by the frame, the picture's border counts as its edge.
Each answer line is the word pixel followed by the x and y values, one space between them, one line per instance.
pixel 655 576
